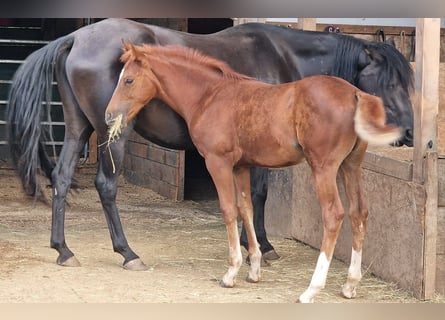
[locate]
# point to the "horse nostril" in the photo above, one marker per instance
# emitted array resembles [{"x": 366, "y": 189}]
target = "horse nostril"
[{"x": 409, "y": 133}]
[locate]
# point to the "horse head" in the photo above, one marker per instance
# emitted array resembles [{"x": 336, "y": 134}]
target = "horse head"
[
  {"x": 137, "y": 85},
  {"x": 386, "y": 73}
]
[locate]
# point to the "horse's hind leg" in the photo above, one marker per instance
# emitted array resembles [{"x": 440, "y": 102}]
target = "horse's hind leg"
[
  {"x": 62, "y": 176},
  {"x": 244, "y": 203},
  {"x": 333, "y": 213},
  {"x": 110, "y": 162},
  {"x": 351, "y": 174}
]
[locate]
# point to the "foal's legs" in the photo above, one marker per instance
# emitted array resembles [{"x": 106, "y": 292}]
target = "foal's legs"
[
  {"x": 244, "y": 203},
  {"x": 351, "y": 174},
  {"x": 222, "y": 175},
  {"x": 333, "y": 213}
]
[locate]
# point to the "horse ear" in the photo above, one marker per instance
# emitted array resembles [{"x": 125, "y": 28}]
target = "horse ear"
[
  {"x": 124, "y": 44},
  {"x": 129, "y": 46}
]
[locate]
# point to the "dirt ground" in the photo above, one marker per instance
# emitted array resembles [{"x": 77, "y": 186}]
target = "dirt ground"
[{"x": 183, "y": 244}]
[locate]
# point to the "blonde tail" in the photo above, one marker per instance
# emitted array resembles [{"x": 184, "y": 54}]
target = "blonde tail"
[{"x": 369, "y": 121}]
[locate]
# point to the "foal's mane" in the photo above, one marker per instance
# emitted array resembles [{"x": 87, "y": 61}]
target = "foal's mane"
[{"x": 182, "y": 55}]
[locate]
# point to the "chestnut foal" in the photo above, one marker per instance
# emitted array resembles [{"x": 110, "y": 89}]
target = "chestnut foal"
[{"x": 236, "y": 122}]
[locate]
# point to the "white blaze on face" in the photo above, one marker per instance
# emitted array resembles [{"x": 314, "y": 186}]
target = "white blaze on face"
[{"x": 121, "y": 74}]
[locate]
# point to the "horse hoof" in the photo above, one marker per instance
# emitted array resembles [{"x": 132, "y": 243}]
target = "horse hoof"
[
  {"x": 135, "y": 265},
  {"x": 251, "y": 280},
  {"x": 271, "y": 255},
  {"x": 70, "y": 262},
  {"x": 264, "y": 263},
  {"x": 349, "y": 294},
  {"x": 222, "y": 284},
  {"x": 300, "y": 300}
]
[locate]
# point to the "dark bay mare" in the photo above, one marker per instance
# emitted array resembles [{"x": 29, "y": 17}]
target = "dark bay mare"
[
  {"x": 86, "y": 65},
  {"x": 236, "y": 122}
]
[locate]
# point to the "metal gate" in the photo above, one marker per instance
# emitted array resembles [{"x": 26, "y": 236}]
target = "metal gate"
[{"x": 18, "y": 39}]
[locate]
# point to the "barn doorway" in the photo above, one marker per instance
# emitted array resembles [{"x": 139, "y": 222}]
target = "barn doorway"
[{"x": 198, "y": 184}]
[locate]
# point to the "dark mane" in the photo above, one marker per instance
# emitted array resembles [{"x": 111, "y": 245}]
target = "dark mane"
[
  {"x": 188, "y": 55},
  {"x": 346, "y": 57},
  {"x": 391, "y": 61}
]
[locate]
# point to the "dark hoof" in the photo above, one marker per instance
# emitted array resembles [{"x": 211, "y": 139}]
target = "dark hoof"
[
  {"x": 222, "y": 284},
  {"x": 271, "y": 255},
  {"x": 135, "y": 265},
  {"x": 70, "y": 262},
  {"x": 264, "y": 263},
  {"x": 250, "y": 280}
]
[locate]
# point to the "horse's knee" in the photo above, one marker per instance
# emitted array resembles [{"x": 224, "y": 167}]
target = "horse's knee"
[
  {"x": 106, "y": 187},
  {"x": 60, "y": 184},
  {"x": 333, "y": 221}
]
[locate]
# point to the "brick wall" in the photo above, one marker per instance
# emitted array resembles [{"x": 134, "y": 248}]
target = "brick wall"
[{"x": 160, "y": 169}]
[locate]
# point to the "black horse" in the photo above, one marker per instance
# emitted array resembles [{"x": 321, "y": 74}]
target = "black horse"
[{"x": 86, "y": 65}]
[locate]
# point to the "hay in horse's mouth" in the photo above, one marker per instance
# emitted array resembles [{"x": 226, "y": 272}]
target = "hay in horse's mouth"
[
  {"x": 115, "y": 129},
  {"x": 114, "y": 132}
]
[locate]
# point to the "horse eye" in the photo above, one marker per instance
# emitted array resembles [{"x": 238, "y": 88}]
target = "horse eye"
[{"x": 128, "y": 81}]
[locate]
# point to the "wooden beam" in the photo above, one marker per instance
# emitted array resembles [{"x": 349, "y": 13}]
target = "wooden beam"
[
  {"x": 425, "y": 156},
  {"x": 426, "y": 106},
  {"x": 237, "y": 21},
  {"x": 307, "y": 24}
]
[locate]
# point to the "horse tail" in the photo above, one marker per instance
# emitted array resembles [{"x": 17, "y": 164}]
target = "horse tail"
[
  {"x": 30, "y": 87},
  {"x": 370, "y": 121}
]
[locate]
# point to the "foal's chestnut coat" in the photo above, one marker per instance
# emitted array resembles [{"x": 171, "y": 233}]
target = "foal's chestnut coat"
[{"x": 236, "y": 122}]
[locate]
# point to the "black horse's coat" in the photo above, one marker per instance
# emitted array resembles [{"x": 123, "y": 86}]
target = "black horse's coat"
[{"x": 86, "y": 65}]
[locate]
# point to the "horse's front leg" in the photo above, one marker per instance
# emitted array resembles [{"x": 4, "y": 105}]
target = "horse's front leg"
[
  {"x": 110, "y": 164},
  {"x": 222, "y": 175},
  {"x": 333, "y": 214}
]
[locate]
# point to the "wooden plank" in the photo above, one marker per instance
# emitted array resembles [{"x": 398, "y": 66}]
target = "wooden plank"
[
  {"x": 426, "y": 105},
  {"x": 440, "y": 274},
  {"x": 425, "y": 139},
  {"x": 440, "y": 248},
  {"x": 237, "y": 21},
  {"x": 440, "y": 258},
  {"x": 441, "y": 177},
  {"x": 388, "y": 166},
  {"x": 307, "y": 24},
  {"x": 430, "y": 235}
]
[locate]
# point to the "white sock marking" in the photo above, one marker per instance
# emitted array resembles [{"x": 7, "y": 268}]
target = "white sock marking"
[{"x": 318, "y": 279}]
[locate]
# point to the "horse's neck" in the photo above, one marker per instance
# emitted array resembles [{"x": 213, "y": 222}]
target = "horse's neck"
[{"x": 182, "y": 87}]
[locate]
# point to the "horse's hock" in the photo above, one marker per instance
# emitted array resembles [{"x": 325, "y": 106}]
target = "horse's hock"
[{"x": 393, "y": 249}]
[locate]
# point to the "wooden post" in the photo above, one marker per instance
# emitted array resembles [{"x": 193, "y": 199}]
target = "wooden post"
[
  {"x": 237, "y": 21},
  {"x": 426, "y": 109},
  {"x": 307, "y": 24}
]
